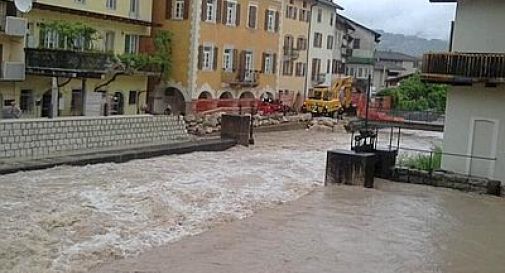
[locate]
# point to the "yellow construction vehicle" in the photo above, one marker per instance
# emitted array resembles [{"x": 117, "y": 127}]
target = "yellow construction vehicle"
[{"x": 330, "y": 101}]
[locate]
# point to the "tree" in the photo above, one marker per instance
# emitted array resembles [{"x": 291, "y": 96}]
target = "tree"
[{"x": 415, "y": 95}]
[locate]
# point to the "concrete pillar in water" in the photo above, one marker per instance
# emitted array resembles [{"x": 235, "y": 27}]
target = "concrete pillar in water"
[
  {"x": 236, "y": 127},
  {"x": 350, "y": 168}
]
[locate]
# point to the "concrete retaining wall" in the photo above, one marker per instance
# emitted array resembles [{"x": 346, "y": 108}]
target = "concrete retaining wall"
[{"x": 44, "y": 137}]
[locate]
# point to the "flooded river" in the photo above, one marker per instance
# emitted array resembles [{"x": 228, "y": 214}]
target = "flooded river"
[{"x": 71, "y": 219}]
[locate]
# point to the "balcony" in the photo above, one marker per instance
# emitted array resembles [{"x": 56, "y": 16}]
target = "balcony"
[
  {"x": 291, "y": 54},
  {"x": 318, "y": 79},
  {"x": 463, "y": 68},
  {"x": 67, "y": 63},
  {"x": 240, "y": 80},
  {"x": 13, "y": 71},
  {"x": 347, "y": 52},
  {"x": 13, "y": 26}
]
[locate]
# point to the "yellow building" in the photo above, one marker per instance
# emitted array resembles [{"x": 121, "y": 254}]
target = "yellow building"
[
  {"x": 81, "y": 66},
  {"x": 222, "y": 49},
  {"x": 295, "y": 45}
]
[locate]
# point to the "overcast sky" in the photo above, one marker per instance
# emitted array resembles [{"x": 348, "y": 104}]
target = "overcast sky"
[{"x": 416, "y": 17}]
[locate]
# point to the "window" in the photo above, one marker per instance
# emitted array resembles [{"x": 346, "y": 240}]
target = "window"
[
  {"x": 316, "y": 68},
  {"x": 304, "y": 4},
  {"x": 356, "y": 44},
  {"x": 301, "y": 43},
  {"x": 331, "y": 19},
  {"x": 51, "y": 39},
  {"x": 270, "y": 20},
  {"x": 304, "y": 15},
  {"x": 228, "y": 60},
  {"x": 291, "y": 12},
  {"x": 178, "y": 9},
  {"x": 211, "y": 11},
  {"x": 231, "y": 13},
  {"x": 132, "y": 98},
  {"x": 328, "y": 67},
  {"x": 287, "y": 68},
  {"x": 26, "y": 101},
  {"x": 76, "y": 102},
  {"x": 319, "y": 15},
  {"x": 253, "y": 11},
  {"x": 300, "y": 69},
  {"x": 111, "y": 4},
  {"x": 318, "y": 40},
  {"x": 134, "y": 8},
  {"x": 110, "y": 37},
  {"x": 131, "y": 44},
  {"x": 269, "y": 64},
  {"x": 80, "y": 1},
  {"x": 360, "y": 72},
  {"x": 329, "y": 42},
  {"x": 208, "y": 57}
]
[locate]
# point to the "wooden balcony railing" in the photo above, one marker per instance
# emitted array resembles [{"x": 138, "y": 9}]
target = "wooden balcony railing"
[{"x": 463, "y": 67}]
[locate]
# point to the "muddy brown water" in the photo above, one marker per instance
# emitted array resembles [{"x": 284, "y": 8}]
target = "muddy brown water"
[
  {"x": 394, "y": 228},
  {"x": 72, "y": 219}
]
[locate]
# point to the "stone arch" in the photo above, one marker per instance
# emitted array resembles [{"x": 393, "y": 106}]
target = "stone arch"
[
  {"x": 117, "y": 104},
  {"x": 170, "y": 98},
  {"x": 227, "y": 95},
  {"x": 247, "y": 95},
  {"x": 205, "y": 95},
  {"x": 267, "y": 95}
]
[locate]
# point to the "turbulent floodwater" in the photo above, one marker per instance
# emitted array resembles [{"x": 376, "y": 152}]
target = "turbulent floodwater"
[{"x": 69, "y": 219}]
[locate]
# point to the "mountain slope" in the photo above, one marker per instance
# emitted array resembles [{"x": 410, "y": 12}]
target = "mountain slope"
[{"x": 411, "y": 45}]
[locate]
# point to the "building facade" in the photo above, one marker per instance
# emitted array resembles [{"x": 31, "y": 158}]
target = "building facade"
[
  {"x": 363, "y": 45},
  {"x": 223, "y": 50},
  {"x": 323, "y": 45},
  {"x": 475, "y": 118},
  {"x": 295, "y": 45},
  {"x": 391, "y": 67},
  {"x": 80, "y": 70}
]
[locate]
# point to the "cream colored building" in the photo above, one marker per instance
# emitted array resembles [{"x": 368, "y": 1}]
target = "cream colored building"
[
  {"x": 475, "y": 119},
  {"x": 294, "y": 50},
  {"x": 222, "y": 50},
  {"x": 79, "y": 73}
]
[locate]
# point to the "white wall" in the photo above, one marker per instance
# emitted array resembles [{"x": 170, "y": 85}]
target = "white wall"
[
  {"x": 325, "y": 28},
  {"x": 481, "y": 108},
  {"x": 479, "y": 26},
  {"x": 367, "y": 43}
]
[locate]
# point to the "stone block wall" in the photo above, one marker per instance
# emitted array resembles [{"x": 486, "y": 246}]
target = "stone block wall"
[{"x": 38, "y": 138}]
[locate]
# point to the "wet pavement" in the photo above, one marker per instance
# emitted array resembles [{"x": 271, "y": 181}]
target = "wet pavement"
[{"x": 394, "y": 228}]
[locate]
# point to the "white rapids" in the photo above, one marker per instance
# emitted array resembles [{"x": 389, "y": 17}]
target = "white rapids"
[{"x": 70, "y": 219}]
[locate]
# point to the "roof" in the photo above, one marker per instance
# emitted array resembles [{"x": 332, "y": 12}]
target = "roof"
[
  {"x": 330, "y": 3},
  {"x": 382, "y": 66},
  {"x": 399, "y": 78},
  {"x": 392, "y": 55},
  {"x": 356, "y": 24}
]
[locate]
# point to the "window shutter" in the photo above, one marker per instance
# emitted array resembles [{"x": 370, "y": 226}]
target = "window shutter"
[
  {"x": 252, "y": 16},
  {"x": 225, "y": 12},
  {"x": 276, "y": 21},
  {"x": 168, "y": 9},
  {"x": 235, "y": 60},
  {"x": 274, "y": 70},
  {"x": 237, "y": 15},
  {"x": 295, "y": 13},
  {"x": 219, "y": 9},
  {"x": 263, "y": 61},
  {"x": 200, "y": 57},
  {"x": 204, "y": 10},
  {"x": 266, "y": 19},
  {"x": 241, "y": 67},
  {"x": 216, "y": 52},
  {"x": 186, "y": 9}
]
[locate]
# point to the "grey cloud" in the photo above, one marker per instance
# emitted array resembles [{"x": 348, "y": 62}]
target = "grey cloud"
[{"x": 413, "y": 17}]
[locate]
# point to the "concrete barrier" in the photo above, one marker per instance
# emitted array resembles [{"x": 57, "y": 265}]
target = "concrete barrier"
[
  {"x": 38, "y": 138},
  {"x": 350, "y": 168}
]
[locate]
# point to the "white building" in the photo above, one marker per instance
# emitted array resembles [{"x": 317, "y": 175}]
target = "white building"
[
  {"x": 363, "y": 46},
  {"x": 322, "y": 43},
  {"x": 475, "y": 119}
]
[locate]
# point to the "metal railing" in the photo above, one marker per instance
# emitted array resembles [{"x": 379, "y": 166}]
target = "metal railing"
[
  {"x": 67, "y": 60},
  {"x": 430, "y": 161}
]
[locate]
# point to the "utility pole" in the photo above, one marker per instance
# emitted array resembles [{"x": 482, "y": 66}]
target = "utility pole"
[
  {"x": 54, "y": 98},
  {"x": 368, "y": 91}
]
